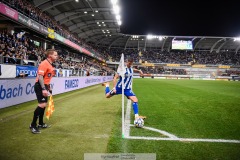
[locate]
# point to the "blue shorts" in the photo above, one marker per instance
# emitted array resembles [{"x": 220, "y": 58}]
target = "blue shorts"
[{"x": 127, "y": 92}]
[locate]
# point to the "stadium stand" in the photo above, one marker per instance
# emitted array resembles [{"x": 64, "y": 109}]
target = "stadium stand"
[
  {"x": 152, "y": 56},
  {"x": 22, "y": 50}
]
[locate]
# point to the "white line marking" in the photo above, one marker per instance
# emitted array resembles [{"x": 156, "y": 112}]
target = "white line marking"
[
  {"x": 209, "y": 140},
  {"x": 127, "y": 119},
  {"x": 152, "y": 138},
  {"x": 184, "y": 139},
  {"x": 159, "y": 131},
  {"x": 171, "y": 136}
]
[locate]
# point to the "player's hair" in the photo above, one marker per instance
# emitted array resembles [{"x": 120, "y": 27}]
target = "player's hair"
[
  {"x": 50, "y": 52},
  {"x": 130, "y": 59}
]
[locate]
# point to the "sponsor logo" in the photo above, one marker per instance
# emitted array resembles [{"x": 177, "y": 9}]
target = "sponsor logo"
[
  {"x": 31, "y": 71},
  {"x": 10, "y": 92},
  {"x": 8, "y": 11},
  {"x": 16, "y": 91},
  {"x": 73, "y": 83},
  {"x": 92, "y": 80}
]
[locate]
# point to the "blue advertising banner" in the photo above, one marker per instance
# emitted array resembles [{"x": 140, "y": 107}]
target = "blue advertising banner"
[
  {"x": 30, "y": 71},
  {"x": 15, "y": 91}
]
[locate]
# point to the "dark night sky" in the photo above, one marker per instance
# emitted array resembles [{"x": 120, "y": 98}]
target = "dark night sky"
[{"x": 180, "y": 18}]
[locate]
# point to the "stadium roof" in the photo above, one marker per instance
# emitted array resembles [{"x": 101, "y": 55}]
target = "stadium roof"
[
  {"x": 95, "y": 21},
  {"x": 87, "y": 18}
]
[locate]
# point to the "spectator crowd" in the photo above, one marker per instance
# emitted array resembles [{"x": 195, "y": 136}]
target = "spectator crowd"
[
  {"x": 29, "y": 10},
  {"x": 17, "y": 48}
]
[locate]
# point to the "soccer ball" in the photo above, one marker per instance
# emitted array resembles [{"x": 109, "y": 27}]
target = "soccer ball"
[{"x": 139, "y": 122}]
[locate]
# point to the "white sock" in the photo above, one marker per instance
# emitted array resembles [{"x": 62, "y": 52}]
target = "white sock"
[{"x": 136, "y": 115}]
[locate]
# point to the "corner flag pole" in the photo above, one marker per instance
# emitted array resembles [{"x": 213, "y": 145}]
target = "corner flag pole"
[{"x": 122, "y": 68}]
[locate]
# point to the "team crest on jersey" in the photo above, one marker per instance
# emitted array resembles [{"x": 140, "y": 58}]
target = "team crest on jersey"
[{"x": 49, "y": 74}]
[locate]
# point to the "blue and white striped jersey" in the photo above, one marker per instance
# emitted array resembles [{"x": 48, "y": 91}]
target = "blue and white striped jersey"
[{"x": 127, "y": 80}]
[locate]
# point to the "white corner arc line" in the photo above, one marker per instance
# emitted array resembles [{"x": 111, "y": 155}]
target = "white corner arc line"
[
  {"x": 160, "y": 131},
  {"x": 171, "y": 136}
]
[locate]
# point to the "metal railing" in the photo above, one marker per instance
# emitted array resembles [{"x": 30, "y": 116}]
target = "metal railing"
[{"x": 17, "y": 61}]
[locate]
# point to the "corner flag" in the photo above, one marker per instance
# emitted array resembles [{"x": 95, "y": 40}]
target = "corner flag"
[
  {"x": 121, "y": 72},
  {"x": 121, "y": 67},
  {"x": 50, "y": 108}
]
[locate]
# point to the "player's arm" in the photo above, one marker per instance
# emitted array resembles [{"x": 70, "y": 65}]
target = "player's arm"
[
  {"x": 137, "y": 70},
  {"x": 41, "y": 82},
  {"x": 41, "y": 72}
]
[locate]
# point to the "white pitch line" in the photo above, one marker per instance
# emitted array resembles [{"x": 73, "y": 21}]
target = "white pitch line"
[
  {"x": 184, "y": 139},
  {"x": 127, "y": 119},
  {"x": 171, "y": 136},
  {"x": 152, "y": 138},
  {"x": 209, "y": 140},
  {"x": 159, "y": 131}
]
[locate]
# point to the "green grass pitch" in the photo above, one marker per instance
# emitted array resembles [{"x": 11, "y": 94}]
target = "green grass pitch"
[{"x": 85, "y": 121}]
